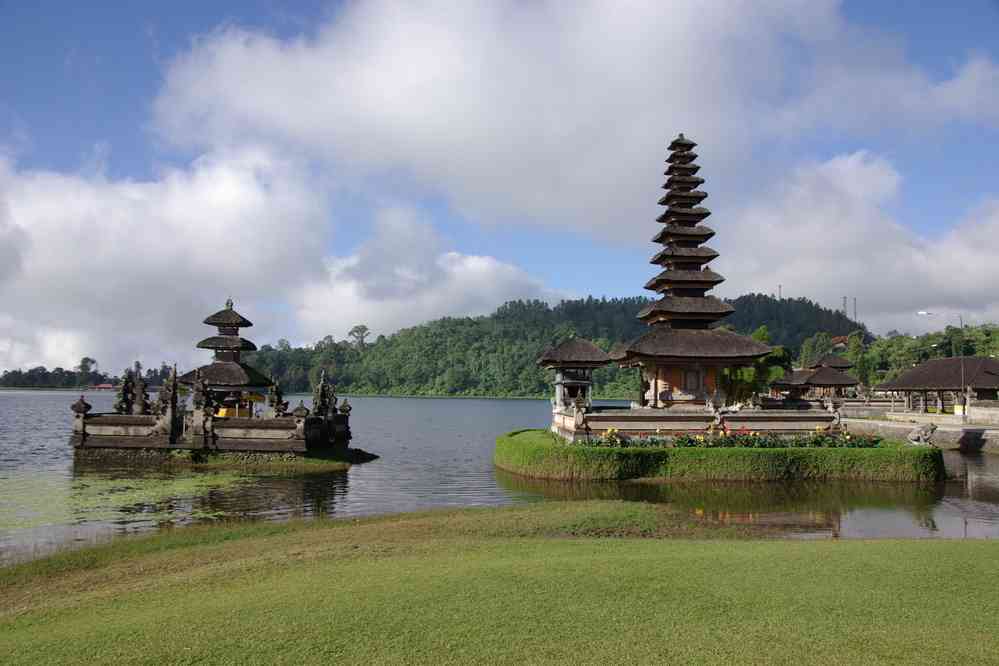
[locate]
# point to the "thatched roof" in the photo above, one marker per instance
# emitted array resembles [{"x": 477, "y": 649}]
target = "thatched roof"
[
  {"x": 227, "y": 343},
  {"x": 821, "y": 377},
  {"x": 713, "y": 308},
  {"x": 681, "y": 157},
  {"x": 701, "y": 232},
  {"x": 229, "y": 373},
  {"x": 228, "y": 318},
  {"x": 574, "y": 352},
  {"x": 944, "y": 374},
  {"x": 832, "y": 361},
  {"x": 683, "y": 343},
  {"x": 684, "y": 279},
  {"x": 681, "y": 143},
  {"x": 683, "y": 182},
  {"x": 679, "y": 213},
  {"x": 701, "y": 254},
  {"x": 682, "y": 198}
]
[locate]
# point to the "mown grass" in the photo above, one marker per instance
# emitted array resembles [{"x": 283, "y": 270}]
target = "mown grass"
[
  {"x": 533, "y": 584},
  {"x": 539, "y": 454}
]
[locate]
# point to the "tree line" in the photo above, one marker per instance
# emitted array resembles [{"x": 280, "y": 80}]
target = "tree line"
[
  {"x": 495, "y": 355},
  {"x": 83, "y": 375}
]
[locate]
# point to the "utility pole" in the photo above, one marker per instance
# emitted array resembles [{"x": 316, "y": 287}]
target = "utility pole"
[
  {"x": 780, "y": 292},
  {"x": 854, "y": 308},
  {"x": 845, "y": 311}
]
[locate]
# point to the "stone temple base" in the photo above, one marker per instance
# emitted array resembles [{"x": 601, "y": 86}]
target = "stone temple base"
[{"x": 668, "y": 422}]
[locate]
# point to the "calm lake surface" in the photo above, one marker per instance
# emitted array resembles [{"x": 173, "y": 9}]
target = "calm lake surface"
[{"x": 434, "y": 453}]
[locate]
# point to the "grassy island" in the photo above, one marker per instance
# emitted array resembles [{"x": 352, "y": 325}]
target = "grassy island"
[
  {"x": 554, "y": 582},
  {"x": 540, "y": 454}
]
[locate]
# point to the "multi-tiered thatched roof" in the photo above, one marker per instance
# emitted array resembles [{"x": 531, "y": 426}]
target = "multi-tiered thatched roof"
[{"x": 680, "y": 320}]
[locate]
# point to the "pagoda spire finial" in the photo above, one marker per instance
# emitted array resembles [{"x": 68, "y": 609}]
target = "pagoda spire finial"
[{"x": 228, "y": 303}]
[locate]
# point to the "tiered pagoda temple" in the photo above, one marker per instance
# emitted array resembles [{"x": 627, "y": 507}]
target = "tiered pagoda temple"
[{"x": 681, "y": 357}]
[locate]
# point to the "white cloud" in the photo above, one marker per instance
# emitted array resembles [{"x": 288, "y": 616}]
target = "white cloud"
[
  {"x": 529, "y": 112},
  {"x": 824, "y": 233},
  {"x": 404, "y": 276},
  {"x": 122, "y": 269}
]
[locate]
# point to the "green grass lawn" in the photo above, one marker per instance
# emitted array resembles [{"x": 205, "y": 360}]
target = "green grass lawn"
[{"x": 556, "y": 582}]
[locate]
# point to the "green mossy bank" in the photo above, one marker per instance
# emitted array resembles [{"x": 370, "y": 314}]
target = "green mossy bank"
[
  {"x": 552, "y": 582},
  {"x": 539, "y": 454}
]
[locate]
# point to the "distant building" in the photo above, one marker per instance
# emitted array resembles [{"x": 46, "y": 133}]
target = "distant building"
[{"x": 941, "y": 382}]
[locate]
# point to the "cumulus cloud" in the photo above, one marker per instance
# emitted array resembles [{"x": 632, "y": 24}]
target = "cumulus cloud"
[
  {"x": 123, "y": 269},
  {"x": 403, "y": 275},
  {"x": 525, "y": 111},
  {"x": 824, "y": 233}
]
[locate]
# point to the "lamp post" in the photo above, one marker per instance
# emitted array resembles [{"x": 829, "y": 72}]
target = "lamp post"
[{"x": 964, "y": 387}]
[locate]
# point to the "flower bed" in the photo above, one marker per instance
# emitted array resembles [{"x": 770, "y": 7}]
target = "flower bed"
[{"x": 742, "y": 439}]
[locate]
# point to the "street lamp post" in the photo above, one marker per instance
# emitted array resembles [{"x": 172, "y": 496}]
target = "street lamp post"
[{"x": 964, "y": 387}]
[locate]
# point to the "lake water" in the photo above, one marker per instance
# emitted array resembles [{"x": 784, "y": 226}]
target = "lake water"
[{"x": 434, "y": 453}]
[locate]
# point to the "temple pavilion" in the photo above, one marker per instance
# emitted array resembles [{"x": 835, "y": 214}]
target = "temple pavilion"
[
  {"x": 234, "y": 385},
  {"x": 573, "y": 361},
  {"x": 681, "y": 357}
]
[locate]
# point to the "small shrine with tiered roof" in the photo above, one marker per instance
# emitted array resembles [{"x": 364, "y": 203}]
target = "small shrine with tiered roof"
[{"x": 221, "y": 415}]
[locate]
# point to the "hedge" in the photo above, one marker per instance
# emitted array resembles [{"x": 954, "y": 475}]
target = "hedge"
[{"x": 540, "y": 454}]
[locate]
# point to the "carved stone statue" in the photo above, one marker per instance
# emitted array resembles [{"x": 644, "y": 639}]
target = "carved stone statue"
[
  {"x": 81, "y": 407},
  {"x": 123, "y": 402},
  {"x": 301, "y": 411},
  {"x": 140, "y": 397},
  {"x": 345, "y": 407},
  {"x": 166, "y": 402},
  {"x": 922, "y": 435},
  {"x": 275, "y": 398}
]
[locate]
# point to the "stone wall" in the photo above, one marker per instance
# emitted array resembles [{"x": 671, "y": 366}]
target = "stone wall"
[
  {"x": 966, "y": 438},
  {"x": 984, "y": 413}
]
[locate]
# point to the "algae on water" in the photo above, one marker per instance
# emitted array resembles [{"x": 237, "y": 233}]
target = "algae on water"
[{"x": 48, "y": 500}]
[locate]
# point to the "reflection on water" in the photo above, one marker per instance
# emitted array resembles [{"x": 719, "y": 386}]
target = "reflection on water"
[
  {"x": 435, "y": 453},
  {"x": 962, "y": 508}
]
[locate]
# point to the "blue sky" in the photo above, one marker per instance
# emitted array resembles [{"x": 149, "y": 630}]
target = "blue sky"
[{"x": 879, "y": 120}]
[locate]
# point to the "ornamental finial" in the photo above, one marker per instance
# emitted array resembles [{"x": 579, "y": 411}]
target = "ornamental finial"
[{"x": 228, "y": 303}]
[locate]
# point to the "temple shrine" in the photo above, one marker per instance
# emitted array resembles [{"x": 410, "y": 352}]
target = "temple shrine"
[
  {"x": 684, "y": 360},
  {"x": 681, "y": 357},
  {"x": 233, "y": 384},
  {"x": 221, "y": 416}
]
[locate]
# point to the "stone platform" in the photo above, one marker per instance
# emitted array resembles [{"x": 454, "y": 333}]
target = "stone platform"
[{"x": 666, "y": 422}]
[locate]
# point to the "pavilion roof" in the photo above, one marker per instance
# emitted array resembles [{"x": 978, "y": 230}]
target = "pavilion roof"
[
  {"x": 574, "y": 351},
  {"x": 820, "y": 377},
  {"x": 832, "y": 361},
  {"x": 944, "y": 374},
  {"x": 229, "y": 373}
]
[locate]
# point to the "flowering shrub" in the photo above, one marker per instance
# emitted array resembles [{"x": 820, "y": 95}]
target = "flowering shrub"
[{"x": 743, "y": 439}]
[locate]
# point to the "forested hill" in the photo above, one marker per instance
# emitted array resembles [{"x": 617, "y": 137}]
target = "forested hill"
[{"x": 495, "y": 355}]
